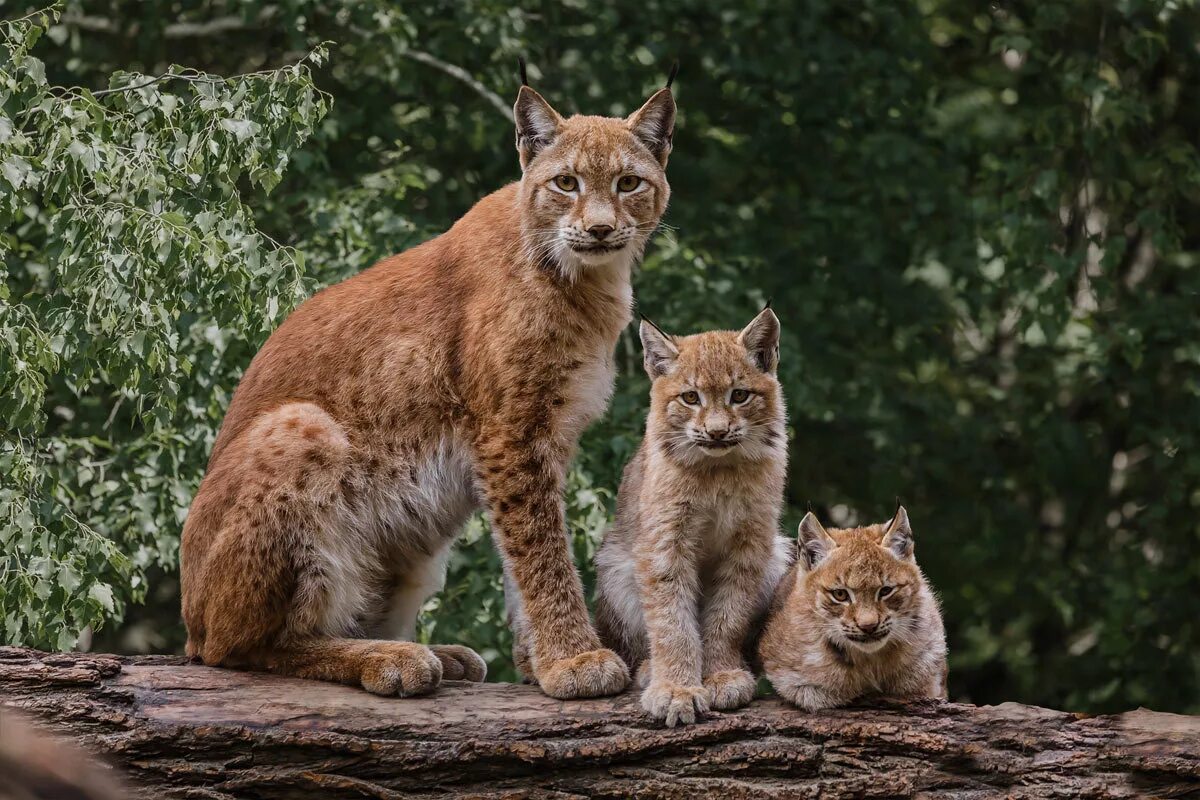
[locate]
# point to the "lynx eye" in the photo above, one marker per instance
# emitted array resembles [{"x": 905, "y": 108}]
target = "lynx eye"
[
  {"x": 567, "y": 183},
  {"x": 739, "y": 396},
  {"x": 691, "y": 398},
  {"x": 627, "y": 183},
  {"x": 884, "y": 591},
  {"x": 840, "y": 595}
]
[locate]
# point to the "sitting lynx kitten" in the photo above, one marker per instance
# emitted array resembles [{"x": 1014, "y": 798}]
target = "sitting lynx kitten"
[
  {"x": 853, "y": 617},
  {"x": 691, "y": 560}
]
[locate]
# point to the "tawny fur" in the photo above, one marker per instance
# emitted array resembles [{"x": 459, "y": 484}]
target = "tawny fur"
[
  {"x": 387, "y": 408},
  {"x": 854, "y": 617},
  {"x": 692, "y": 557}
]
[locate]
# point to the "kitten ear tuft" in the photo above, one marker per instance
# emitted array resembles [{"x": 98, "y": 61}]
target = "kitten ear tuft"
[
  {"x": 658, "y": 349},
  {"x": 671, "y": 75},
  {"x": 654, "y": 124},
  {"x": 537, "y": 124},
  {"x": 813, "y": 543},
  {"x": 898, "y": 537},
  {"x": 761, "y": 340},
  {"x": 521, "y": 70}
]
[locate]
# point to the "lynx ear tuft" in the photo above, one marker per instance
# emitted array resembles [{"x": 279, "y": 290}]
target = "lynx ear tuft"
[
  {"x": 521, "y": 69},
  {"x": 899, "y": 536},
  {"x": 658, "y": 348},
  {"x": 813, "y": 543},
  {"x": 761, "y": 339},
  {"x": 674, "y": 71},
  {"x": 654, "y": 124},
  {"x": 537, "y": 124}
]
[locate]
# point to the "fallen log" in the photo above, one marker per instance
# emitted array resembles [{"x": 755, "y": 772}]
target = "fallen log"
[{"x": 178, "y": 730}]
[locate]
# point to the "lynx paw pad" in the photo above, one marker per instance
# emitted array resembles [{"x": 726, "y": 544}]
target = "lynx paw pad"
[
  {"x": 403, "y": 668},
  {"x": 595, "y": 673},
  {"x": 674, "y": 703},
  {"x": 731, "y": 688}
]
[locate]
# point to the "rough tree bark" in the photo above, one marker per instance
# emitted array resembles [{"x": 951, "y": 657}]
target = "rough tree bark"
[{"x": 179, "y": 730}]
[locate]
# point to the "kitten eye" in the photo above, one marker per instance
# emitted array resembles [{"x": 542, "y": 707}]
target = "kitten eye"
[
  {"x": 884, "y": 591},
  {"x": 739, "y": 396},
  {"x": 627, "y": 183},
  {"x": 691, "y": 398},
  {"x": 841, "y": 595},
  {"x": 568, "y": 183}
]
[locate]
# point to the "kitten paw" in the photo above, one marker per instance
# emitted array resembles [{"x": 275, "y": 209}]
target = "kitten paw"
[
  {"x": 460, "y": 663},
  {"x": 807, "y": 696},
  {"x": 730, "y": 688},
  {"x": 404, "y": 669},
  {"x": 673, "y": 703},
  {"x": 595, "y": 673}
]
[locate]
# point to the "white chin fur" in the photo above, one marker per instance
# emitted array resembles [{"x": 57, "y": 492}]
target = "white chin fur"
[
  {"x": 600, "y": 259},
  {"x": 867, "y": 647}
]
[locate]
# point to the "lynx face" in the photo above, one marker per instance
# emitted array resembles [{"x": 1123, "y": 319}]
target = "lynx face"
[
  {"x": 715, "y": 395},
  {"x": 863, "y": 583},
  {"x": 594, "y": 188}
]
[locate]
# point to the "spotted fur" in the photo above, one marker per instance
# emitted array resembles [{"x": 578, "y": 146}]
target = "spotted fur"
[{"x": 387, "y": 408}]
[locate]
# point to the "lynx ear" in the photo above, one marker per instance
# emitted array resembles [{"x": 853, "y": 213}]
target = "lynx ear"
[
  {"x": 813, "y": 544},
  {"x": 537, "y": 124},
  {"x": 899, "y": 535},
  {"x": 654, "y": 124},
  {"x": 659, "y": 350},
  {"x": 761, "y": 340}
]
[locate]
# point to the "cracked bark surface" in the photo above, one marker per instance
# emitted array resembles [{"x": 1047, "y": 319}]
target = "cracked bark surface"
[{"x": 186, "y": 731}]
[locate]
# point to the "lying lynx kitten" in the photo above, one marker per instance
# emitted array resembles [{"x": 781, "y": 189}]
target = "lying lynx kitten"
[
  {"x": 694, "y": 553},
  {"x": 854, "y": 617}
]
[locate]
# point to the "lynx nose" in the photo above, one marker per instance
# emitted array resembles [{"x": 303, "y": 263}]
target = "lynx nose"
[
  {"x": 600, "y": 231},
  {"x": 868, "y": 627},
  {"x": 717, "y": 433}
]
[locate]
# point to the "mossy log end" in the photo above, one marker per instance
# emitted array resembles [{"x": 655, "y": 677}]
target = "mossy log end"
[{"x": 180, "y": 730}]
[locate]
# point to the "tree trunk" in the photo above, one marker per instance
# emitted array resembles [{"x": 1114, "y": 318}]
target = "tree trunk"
[{"x": 180, "y": 730}]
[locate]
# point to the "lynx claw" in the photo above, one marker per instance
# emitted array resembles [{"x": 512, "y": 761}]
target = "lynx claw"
[
  {"x": 595, "y": 673},
  {"x": 731, "y": 688},
  {"x": 673, "y": 703}
]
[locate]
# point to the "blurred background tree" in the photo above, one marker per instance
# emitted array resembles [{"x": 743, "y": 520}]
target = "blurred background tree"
[{"x": 979, "y": 224}]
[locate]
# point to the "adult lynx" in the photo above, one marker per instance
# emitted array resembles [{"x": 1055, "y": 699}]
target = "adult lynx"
[{"x": 388, "y": 407}]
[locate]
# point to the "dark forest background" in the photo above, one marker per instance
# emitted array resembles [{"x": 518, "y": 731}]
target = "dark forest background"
[{"x": 979, "y": 224}]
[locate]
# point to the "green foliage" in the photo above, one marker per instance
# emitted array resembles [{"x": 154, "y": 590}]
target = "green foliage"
[
  {"x": 980, "y": 226},
  {"x": 131, "y": 263}
]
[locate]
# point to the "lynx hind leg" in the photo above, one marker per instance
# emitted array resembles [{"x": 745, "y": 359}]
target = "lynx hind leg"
[
  {"x": 404, "y": 669},
  {"x": 274, "y": 486},
  {"x": 275, "y": 598}
]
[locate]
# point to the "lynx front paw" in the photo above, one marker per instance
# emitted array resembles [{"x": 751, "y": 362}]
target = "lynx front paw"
[
  {"x": 730, "y": 688},
  {"x": 673, "y": 703},
  {"x": 805, "y": 695},
  {"x": 595, "y": 673},
  {"x": 401, "y": 668},
  {"x": 460, "y": 663}
]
